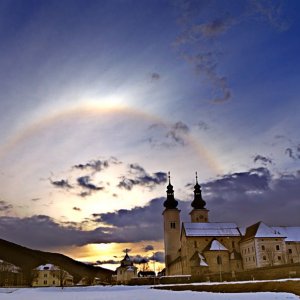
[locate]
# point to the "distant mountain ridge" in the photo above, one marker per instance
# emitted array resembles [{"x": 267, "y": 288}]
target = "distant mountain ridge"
[{"x": 28, "y": 259}]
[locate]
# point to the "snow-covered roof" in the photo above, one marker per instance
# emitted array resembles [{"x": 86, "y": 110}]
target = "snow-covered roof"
[
  {"x": 47, "y": 267},
  {"x": 217, "y": 246},
  {"x": 292, "y": 234},
  {"x": 211, "y": 229},
  {"x": 261, "y": 230}
]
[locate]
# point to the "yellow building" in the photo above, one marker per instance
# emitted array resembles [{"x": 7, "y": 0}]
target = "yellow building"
[
  {"x": 51, "y": 275},
  {"x": 201, "y": 247}
]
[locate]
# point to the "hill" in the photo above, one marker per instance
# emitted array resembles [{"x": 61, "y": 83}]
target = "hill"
[{"x": 28, "y": 259}]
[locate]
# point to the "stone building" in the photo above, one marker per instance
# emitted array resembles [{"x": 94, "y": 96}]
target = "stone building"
[
  {"x": 126, "y": 270},
  {"x": 201, "y": 247}
]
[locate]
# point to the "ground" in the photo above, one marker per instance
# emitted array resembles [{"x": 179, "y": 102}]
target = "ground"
[{"x": 130, "y": 292}]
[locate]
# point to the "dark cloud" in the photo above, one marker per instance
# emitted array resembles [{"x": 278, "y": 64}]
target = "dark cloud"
[
  {"x": 35, "y": 199},
  {"x": 63, "y": 184},
  {"x": 95, "y": 165},
  {"x": 139, "y": 177},
  {"x": 84, "y": 182},
  {"x": 293, "y": 152},
  {"x": 4, "y": 206},
  {"x": 241, "y": 197},
  {"x": 148, "y": 248},
  {"x": 158, "y": 257},
  {"x": 110, "y": 261},
  {"x": 155, "y": 76},
  {"x": 76, "y": 208},
  {"x": 262, "y": 159}
]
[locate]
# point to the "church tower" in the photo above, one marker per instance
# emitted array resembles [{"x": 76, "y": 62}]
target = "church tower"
[
  {"x": 199, "y": 213},
  {"x": 171, "y": 216}
]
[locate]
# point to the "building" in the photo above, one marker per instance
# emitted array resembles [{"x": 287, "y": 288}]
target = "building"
[
  {"x": 126, "y": 270},
  {"x": 10, "y": 275},
  {"x": 51, "y": 275},
  {"x": 201, "y": 247}
]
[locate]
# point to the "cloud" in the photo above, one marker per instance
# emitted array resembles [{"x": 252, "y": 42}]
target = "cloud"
[
  {"x": 148, "y": 248},
  {"x": 139, "y": 177},
  {"x": 84, "y": 182},
  {"x": 241, "y": 197},
  {"x": 4, "y": 206},
  {"x": 63, "y": 183},
  {"x": 263, "y": 159},
  {"x": 96, "y": 165},
  {"x": 76, "y": 208},
  {"x": 169, "y": 136},
  {"x": 293, "y": 152},
  {"x": 155, "y": 76},
  {"x": 271, "y": 11},
  {"x": 202, "y": 125},
  {"x": 203, "y": 24}
]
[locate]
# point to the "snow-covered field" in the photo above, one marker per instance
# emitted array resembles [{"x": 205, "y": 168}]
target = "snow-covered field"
[{"x": 129, "y": 293}]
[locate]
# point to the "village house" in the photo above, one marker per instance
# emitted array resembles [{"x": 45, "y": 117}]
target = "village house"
[
  {"x": 202, "y": 247},
  {"x": 51, "y": 275}
]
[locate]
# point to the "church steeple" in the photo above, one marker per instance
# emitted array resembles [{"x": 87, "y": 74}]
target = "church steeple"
[
  {"x": 198, "y": 202},
  {"x": 170, "y": 203}
]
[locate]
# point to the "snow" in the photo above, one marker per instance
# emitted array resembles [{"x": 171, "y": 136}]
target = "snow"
[
  {"x": 264, "y": 231},
  {"x": 217, "y": 246},
  {"x": 292, "y": 234},
  {"x": 130, "y": 293},
  {"x": 47, "y": 267},
  {"x": 211, "y": 229}
]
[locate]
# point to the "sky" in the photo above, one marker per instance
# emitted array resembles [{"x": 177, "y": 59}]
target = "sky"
[{"x": 99, "y": 100}]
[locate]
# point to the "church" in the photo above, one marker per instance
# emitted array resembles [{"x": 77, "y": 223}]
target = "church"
[{"x": 201, "y": 247}]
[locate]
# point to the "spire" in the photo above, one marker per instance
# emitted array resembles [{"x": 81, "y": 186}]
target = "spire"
[
  {"x": 170, "y": 202},
  {"x": 198, "y": 202}
]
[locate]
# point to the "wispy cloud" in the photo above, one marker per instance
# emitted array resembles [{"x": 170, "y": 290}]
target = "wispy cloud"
[
  {"x": 167, "y": 136},
  {"x": 262, "y": 159},
  {"x": 63, "y": 184},
  {"x": 5, "y": 207},
  {"x": 203, "y": 24}
]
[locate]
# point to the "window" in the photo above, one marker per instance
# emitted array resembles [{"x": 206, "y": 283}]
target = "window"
[
  {"x": 233, "y": 245},
  {"x": 264, "y": 257},
  {"x": 279, "y": 257},
  {"x": 252, "y": 249},
  {"x": 195, "y": 244},
  {"x": 277, "y": 247},
  {"x": 53, "y": 282},
  {"x": 248, "y": 250},
  {"x": 253, "y": 258},
  {"x": 173, "y": 225},
  {"x": 290, "y": 251},
  {"x": 45, "y": 281},
  {"x": 45, "y": 275},
  {"x": 219, "y": 260},
  {"x": 263, "y": 247}
]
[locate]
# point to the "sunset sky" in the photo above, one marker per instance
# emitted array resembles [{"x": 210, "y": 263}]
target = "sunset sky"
[{"x": 100, "y": 99}]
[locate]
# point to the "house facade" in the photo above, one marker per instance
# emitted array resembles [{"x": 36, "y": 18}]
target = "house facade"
[
  {"x": 51, "y": 275},
  {"x": 202, "y": 247}
]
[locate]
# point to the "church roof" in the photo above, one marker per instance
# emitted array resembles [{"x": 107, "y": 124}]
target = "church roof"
[
  {"x": 292, "y": 234},
  {"x": 211, "y": 229}
]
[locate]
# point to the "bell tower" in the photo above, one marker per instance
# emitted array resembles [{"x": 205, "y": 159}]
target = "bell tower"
[
  {"x": 199, "y": 213},
  {"x": 171, "y": 216}
]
